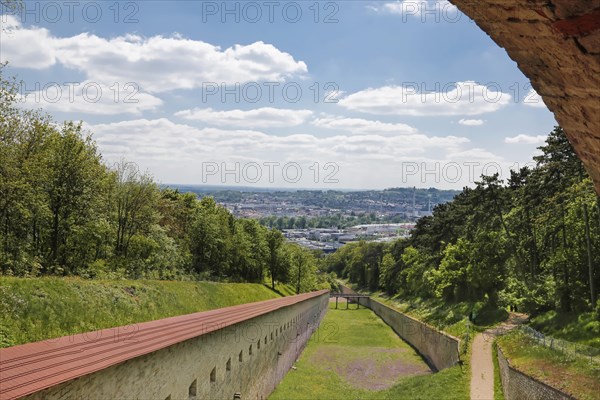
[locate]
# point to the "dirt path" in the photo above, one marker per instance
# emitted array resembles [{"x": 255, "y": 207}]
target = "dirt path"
[{"x": 482, "y": 365}]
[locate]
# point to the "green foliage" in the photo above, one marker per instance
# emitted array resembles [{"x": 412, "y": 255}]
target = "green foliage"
[
  {"x": 498, "y": 393},
  {"x": 414, "y": 275},
  {"x": 583, "y": 328},
  {"x": 64, "y": 212},
  {"x": 532, "y": 244}
]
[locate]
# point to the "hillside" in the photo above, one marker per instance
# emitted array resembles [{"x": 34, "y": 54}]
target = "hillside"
[{"x": 42, "y": 308}]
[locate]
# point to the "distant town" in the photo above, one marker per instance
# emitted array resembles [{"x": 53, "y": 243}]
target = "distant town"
[
  {"x": 329, "y": 240},
  {"x": 326, "y": 220}
]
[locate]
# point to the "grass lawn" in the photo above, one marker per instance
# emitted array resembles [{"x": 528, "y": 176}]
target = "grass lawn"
[
  {"x": 42, "y": 308},
  {"x": 576, "y": 376},
  {"x": 498, "y": 393},
  {"x": 281, "y": 288},
  {"x": 355, "y": 355}
]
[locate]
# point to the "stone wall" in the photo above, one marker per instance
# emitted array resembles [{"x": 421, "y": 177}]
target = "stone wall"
[
  {"x": 439, "y": 349},
  {"x": 556, "y": 43},
  {"x": 249, "y": 358},
  {"x": 519, "y": 386}
]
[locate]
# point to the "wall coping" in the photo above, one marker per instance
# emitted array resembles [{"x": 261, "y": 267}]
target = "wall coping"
[{"x": 31, "y": 367}]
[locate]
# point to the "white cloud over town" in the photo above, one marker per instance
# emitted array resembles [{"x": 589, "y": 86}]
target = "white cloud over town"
[{"x": 169, "y": 147}]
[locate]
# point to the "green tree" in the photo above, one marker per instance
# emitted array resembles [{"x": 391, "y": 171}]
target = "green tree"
[{"x": 275, "y": 240}]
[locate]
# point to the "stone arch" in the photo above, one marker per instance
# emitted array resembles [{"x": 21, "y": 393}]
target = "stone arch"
[{"x": 556, "y": 44}]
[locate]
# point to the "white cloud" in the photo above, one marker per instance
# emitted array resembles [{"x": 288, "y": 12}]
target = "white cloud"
[
  {"x": 362, "y": 126},
  {"x": 91, "y": 98},
  {"x": 25, "y": 47},
  {"x": 155, "y": 63},
  {"x": 533, "y": 99},
  {"x": 266, "y": 117},
  {"x": 474, "y": 155},
  {"x": 164, "y": 136},
  {"x": 471, "y": 122},
  {"x": 525, "y": 139},
  {"x": 461, "y": 98},
  {"x": 176, "y": 153}
]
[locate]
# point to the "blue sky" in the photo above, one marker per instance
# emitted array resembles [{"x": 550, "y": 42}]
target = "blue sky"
[{"x": 347, "y": 94}]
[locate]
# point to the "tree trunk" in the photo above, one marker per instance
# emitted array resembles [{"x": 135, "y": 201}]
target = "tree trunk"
[
  {"x": 534, "y": 250},
  {"x": 589, "y": 255},
  {"x": 566, "y": 293},
  {"x": 299, "y": 274},
  {"x": 598, "y": 207},
  {"x": 55, "y": 223}
]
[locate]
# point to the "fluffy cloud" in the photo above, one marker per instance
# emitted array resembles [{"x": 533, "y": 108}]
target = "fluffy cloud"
[
  {"x": 91, "y": 98},
  {"x": 162, "y": 136},
  {"x": 461, "y": 98},
  {"x": 362, "y": 126},
  {"x": 474, "y": 155},
  {"x": 266, "y": 117},
  {"x": 179, "y": 152},
  {"x": 471, "y": 122},
  {"x": 532, "y": 99},
  {"x": 525, "y": 139},
  {"x": 155, "y": 63},
  {"x": 25, "y": 47}
]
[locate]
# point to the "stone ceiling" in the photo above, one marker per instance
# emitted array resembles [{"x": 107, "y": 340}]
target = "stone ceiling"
[{"x": 557, "y": 46}]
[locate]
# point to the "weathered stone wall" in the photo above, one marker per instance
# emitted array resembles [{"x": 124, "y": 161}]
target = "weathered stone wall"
[
  {"x": 556, "y": 43},
  {"x": 249, "y": 358},
  {"x": 438, "y": 348},
  {"x": 518, "y": 386}
]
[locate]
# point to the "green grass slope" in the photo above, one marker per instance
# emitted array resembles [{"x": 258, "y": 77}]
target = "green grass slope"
[
  {"x": 43, "y": 308},
  {"x": 578, "y": 328},
  {"x": 572, "y": 374}
]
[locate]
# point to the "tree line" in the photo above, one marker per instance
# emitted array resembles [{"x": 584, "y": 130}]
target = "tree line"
[
  {"x": 532, "y": 242},
  {"x": 65, "y": 212}
]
